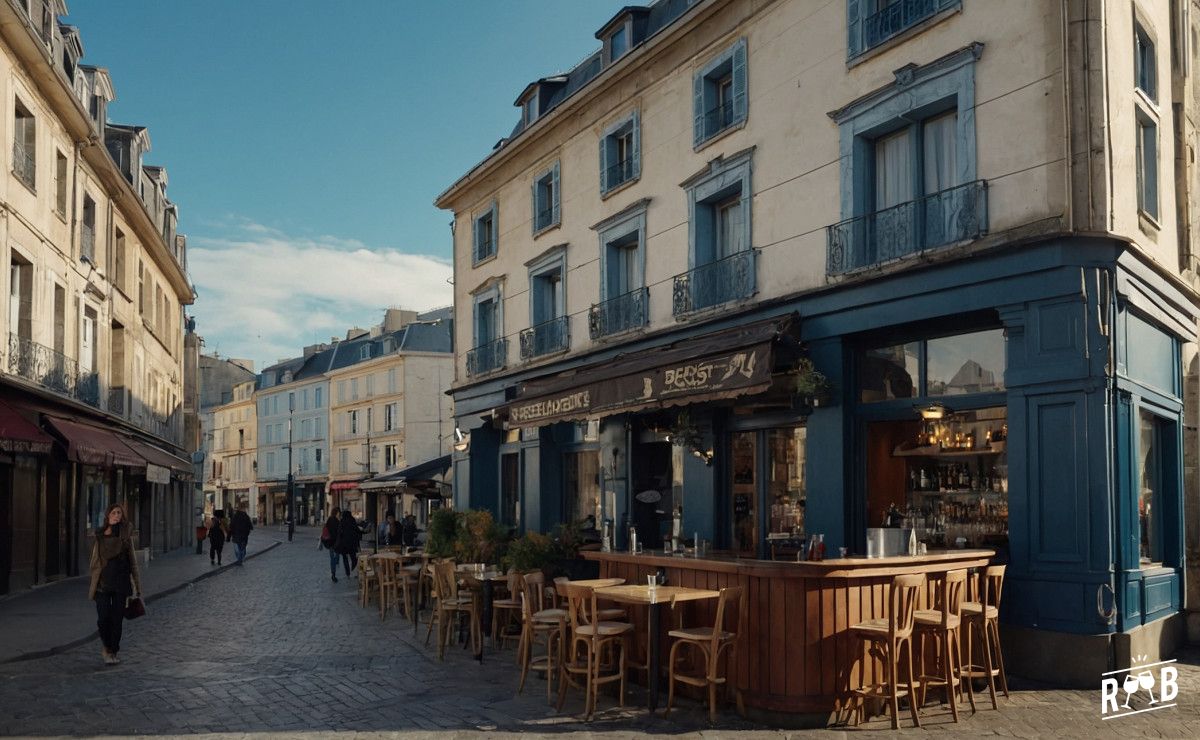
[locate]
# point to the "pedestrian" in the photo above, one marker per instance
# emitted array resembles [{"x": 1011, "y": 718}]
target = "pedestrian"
[
  {"x": 218, "y": 532},
  {"x": 348, "y": 538},
  {"x": 389, "y": 531},
  {"x": 408, "y": 531},
  {"x": 239, "y": 532},
  {"x": 328, "y": 539},
  {"x": 115, "y": 578}
]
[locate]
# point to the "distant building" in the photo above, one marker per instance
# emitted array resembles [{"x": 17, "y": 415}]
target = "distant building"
[{"x": 220, "y": 377}]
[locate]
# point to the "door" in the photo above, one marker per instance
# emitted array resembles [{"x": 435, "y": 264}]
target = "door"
[
  {"x": 743, "y": 488},
  {"x": 510, "y": 489},
  {"x": 87, "y": 343}
]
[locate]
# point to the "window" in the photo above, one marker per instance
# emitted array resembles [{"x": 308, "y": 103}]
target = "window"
[
  {"x": 1151, "y": 440},
  {"x": 546, "y": 199},
  {"x": 529, "y": 109},
  {"x": 485, "y": 234},
  {"x": 623, "y": 296},
  {"x": 485, "y": 322},
  {"x": 582, "y": 489},
  {"x": 908, "y": 167},
  {"x": 950, "y": 366},
  {"x": 141, "y": 289},
  {"x": 719, "y": 234},
  {"x": 119, "y": 268},
  {"x": 270, "y": 462},
  {"x": 344, "y": 460},
  {"x": 60, "y": 184},
  {"x": 370, "y": 385},
  {"x": 353, "y": 417},
  {"x": 719, "y": 94},
  {"x": 620, "y": 154},
  {"x": 317, "y": 400},
  {"x": 24, "y": 145},
  {"x": 305, "y": 428},
  {"x": 618, "y": 43},
  {"x": 872, "y": 22},
  {"x": 241, "y": 439},
  {"x": 364, "y": 352},
  {"x": 353, "y": 389},
  {"x": 389, "y": 417},
  {"x": 391, "y": 380},
  {"x": 547, "y": 307},
  {"x": 491, "y": 348},
  {"x": 1147, "y": 164},
  {"x": 341, "y": 391},
  {"x": 304, "y": 399},
  {"x": 320, "y": 468},
  {"x": 391, "y": 456},
  {"x": 1145, "y": 70}
]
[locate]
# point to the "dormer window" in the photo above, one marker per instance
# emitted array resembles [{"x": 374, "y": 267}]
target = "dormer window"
[
  {"x": 364, "y": 353},
  {"x": 618, "y": 43},
  {"x": 529, "y": 110}
]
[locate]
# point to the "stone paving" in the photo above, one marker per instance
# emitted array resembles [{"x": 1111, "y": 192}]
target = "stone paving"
[{"x": 274, "y": 649}]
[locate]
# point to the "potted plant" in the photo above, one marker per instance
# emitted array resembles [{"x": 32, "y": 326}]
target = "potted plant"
[
  {"x": 532, "y": 551},
  {"x": 443, "y": 531},
  {"x": 477, "y": 538},
  {"x": 566, "y": 539},
  {"x": 809, "y": 385}
]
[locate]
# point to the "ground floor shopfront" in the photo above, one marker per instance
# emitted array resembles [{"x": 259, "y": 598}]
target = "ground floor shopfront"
[
  {"x": 1029, "y": 402},
  {"x": 60, "y": 469},
  {"x": 272, "y": 501}
]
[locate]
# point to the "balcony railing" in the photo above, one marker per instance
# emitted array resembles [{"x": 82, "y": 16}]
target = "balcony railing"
[
  {"x": 619, "y": 314},
  {"x": 898, "y": 17},
  {"x": 546, "y": 338},
  {"x": 487, "y": 357},
  {"x": 24, "y": 164},
  {"x": 52, "y": 370},
  {"x": 721, "y": 281},
  {"x": 945, "y": 217},
  {"x": 545, "y": 218},
  {"x": 618, "y": 173}
]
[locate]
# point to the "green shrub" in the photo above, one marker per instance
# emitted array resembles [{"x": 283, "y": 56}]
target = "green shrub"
[
  {"x": 530, "y": 552},
  {"x": 443, "y": 532}
]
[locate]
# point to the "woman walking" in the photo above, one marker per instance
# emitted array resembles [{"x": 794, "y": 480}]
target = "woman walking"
[
  {"x": 329, "y": 540},
  {"x": 217, "y": 534},
  {"x": 348, "y": 537},
  {"x": 115, "y": 578}
]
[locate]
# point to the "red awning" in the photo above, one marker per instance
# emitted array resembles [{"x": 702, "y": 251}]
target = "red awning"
[
  {"x": 17, "y": 434},
  {"x": 94, "y": 446},
  {"x": 344, "y": 485}
]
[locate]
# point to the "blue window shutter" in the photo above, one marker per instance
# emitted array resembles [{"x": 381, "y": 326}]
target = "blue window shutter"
[
  {"x": 603, "y": 163},
  {"x": 698, "y": 110},
  {"x": 557, "y": 187},
  {"x": 636, "y": 154},
  {"x": 740, "y": 98},
  {"x": 534, "y": 200},
  {"x": 475, "y": 239},
  {"x": 854, "y": 9},
  {"x": 495, "y": 227}
]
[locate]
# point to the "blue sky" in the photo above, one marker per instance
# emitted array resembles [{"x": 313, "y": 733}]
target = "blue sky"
[{"x": 305, "y": 141}]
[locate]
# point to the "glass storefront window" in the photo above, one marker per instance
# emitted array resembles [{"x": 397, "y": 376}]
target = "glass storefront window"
[
  {"x": 1149, "y": 452},
  {"x": 786, "y": 489},
  {"x": 745, "y": 493},
  {"x": 582, "y": 477},
  {"x": 889, "y": 372},
  {"x": 966, "y": 363}
]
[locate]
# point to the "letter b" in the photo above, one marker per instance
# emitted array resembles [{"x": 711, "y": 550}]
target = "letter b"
[{"x": 1168, "y": 681}]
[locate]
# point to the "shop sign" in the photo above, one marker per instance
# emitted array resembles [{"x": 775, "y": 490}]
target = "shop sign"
[
  {"x": 548, "y": 408},
  {"x": 713, "y": 374},
  {"x": 1139, "y": 682},
  {"x": 157, "y": 474}
]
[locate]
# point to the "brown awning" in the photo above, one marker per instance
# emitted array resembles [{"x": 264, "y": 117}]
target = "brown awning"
[
  {"x": 17, "y": 434},
  {"x": 724, "y": 364},
  {"x": 94, "y": 446},
  {"x": 157, "y": 456}
]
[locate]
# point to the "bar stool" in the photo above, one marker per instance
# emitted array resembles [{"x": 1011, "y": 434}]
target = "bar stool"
[
  {"x": 891, "y": 635},
  {"x": 366, "y": 581},
  {"x": 942, "y": 625},
  {"x": 594, "y": 636},
  {"x": 984, "y": 616},
  {"x": 711, "y": 642},
  {"x": 388, "y": 577},
  {"x": 538, "y": 622}
]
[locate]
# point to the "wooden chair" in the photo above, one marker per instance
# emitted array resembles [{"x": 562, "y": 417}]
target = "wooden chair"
[
  {"x": 503, "y": 610},
  {"x": 711, "y": 642},
  {"x": 450, "y": 605},
  {"x": 983, "y": 615},
  {"x": 891, "y": 635},
  {"x": 539, "y": 626},
  {"x": 366, "y": 581},
  {"x": 942, "y": 625},
  {"x": 594, "y": 637},
  {"x": 388, "y": 577}
]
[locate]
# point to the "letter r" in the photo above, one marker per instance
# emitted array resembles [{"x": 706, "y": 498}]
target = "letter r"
[{"x": 1108, "y": 694}]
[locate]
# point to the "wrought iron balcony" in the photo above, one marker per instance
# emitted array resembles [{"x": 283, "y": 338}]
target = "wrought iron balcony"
[
  {"x": 619, "y": 173},
  {"x": 52, "y": 370},
  {"x": 953, "y": 215},
  {"x": 898, "y": 17},
  {"x": 729, "y": 279},
  {"x": 24, "y": 164},
  {"x": 546, "y": 338},
  {"x": 619, "y": 314},
  {"x": 487, "y": 357}
]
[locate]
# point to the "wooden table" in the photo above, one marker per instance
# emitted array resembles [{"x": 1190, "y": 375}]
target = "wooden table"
[{"x": 655, "y": 598}]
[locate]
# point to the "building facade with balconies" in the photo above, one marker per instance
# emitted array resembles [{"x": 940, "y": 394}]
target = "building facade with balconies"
[
  {"x": 728, "y": 256},
  {"x": 93, "y": 355},
  {"x": 230, "y": 467}
]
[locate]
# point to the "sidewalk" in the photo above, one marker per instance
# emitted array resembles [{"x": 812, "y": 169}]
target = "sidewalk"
[{"x": 58, "y": 616}]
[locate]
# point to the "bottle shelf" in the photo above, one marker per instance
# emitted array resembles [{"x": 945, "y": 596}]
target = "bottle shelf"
[
  {"x": 957, "y": 492},
  {"x": 938, "y": 452}
]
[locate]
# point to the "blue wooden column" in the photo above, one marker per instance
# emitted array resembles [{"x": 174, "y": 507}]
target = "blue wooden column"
[{"x": 830, "y": 488}]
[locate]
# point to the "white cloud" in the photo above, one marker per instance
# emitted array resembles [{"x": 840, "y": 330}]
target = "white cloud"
[{"x": 263, "y": 295}]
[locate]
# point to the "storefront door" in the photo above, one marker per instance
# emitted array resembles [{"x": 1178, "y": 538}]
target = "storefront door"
[
  {"x": 744, "y": 490},
  {"x": 510, "y": 489},
  {"x": 767, "y": 469}
]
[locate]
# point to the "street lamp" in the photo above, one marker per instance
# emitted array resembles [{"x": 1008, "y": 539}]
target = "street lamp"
[{"x": 291, "y": 479}]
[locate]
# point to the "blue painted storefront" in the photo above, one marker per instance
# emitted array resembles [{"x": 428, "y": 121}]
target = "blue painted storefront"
[{"x": 1093, "y": 344}]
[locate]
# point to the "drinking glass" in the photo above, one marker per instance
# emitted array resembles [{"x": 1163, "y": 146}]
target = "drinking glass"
[
  {"x": 1130, "y": 687},
  {"x": 651, "y": 581}
]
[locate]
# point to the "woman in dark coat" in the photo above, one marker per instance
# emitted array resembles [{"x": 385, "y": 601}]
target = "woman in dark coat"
[
  {"x": 329, "y": 541},
  {"x": 347, "y": 541},
  {"x": 114, "y": 579},
  {"x": 217, "y": 534}
]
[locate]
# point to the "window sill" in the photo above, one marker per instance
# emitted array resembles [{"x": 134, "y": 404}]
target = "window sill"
[
  {"x": 28, "y": 186},
  {"x": 619, "y": 187},
  {"x": 900, "y": 38},
  {"x": 1146, "y": 100},
  {"x": 490, "y": 258},
  {"x": 721, "y": 134},
  {"x": 62, "y": 215},
  {"x": 548, "y": 228},
  {"x": 1148, "y": 224}
]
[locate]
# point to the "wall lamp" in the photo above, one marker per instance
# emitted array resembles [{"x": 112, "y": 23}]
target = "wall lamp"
[
  {"x": 932, "y": 412},
  {"x": 462, "y": 440}
]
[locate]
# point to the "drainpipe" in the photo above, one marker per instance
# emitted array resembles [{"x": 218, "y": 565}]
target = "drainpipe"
[{"x": 1067, "y": 122}]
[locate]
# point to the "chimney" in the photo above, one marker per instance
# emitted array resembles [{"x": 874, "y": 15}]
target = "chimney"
[{"x": 395, "y": 319}]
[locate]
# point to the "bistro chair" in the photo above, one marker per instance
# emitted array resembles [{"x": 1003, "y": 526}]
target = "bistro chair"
[
  {"x": 539, "y": 627},
  {"x": 366, "y": 581},
  {"x": 594, "y": 637},
  {"x": 890, "y": 635},
  {"x": 711, "y": 642},
  {"x": 451, "y": 605},
  {"x": 983, "y": 615},
  {"x": 942, "y": 624},
  {"x": 503, "y": 610},
  {"x": 388, "y": 578}
]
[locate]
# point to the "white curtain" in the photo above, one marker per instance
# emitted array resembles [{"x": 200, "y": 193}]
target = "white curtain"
[
  {"x": 731, "y": 228},
  {"x": 893, "y": 171},
  {"x": 941, "y": 161}
]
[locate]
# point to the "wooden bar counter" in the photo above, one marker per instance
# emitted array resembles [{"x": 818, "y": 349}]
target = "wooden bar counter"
[{"x": 797, "y": 655}]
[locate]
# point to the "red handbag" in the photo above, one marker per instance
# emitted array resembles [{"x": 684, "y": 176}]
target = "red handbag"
[{"x": 134, "y": 607}]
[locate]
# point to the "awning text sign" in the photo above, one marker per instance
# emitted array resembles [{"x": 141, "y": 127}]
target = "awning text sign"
[{"x": 549, "y": 408}]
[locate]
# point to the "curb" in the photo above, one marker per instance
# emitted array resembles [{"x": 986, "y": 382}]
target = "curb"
[{"x": 57, "y": 649}]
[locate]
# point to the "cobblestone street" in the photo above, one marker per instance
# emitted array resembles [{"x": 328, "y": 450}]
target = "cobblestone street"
[{"x": 274, "y": 647}]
